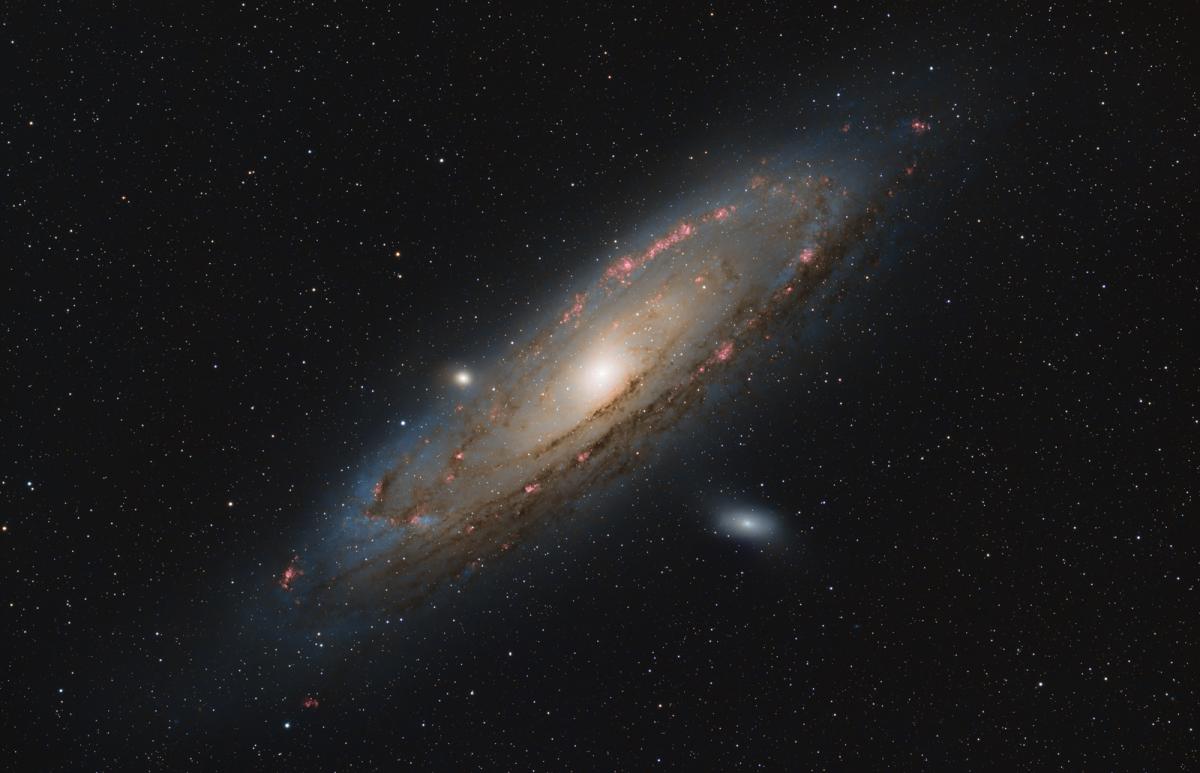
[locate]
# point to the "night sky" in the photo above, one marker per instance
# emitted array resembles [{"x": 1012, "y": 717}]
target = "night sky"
[{"x": 936, "y": 518}]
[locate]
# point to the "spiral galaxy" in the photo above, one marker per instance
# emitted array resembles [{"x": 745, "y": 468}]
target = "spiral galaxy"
[{"x": 622, "y": 361}]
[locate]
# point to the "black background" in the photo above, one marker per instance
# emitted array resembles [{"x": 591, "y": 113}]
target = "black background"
[{"x": 241, "y": 243}]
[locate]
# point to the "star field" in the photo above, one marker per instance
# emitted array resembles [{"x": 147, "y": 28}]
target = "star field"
[{"x": 255, "y": 253}]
